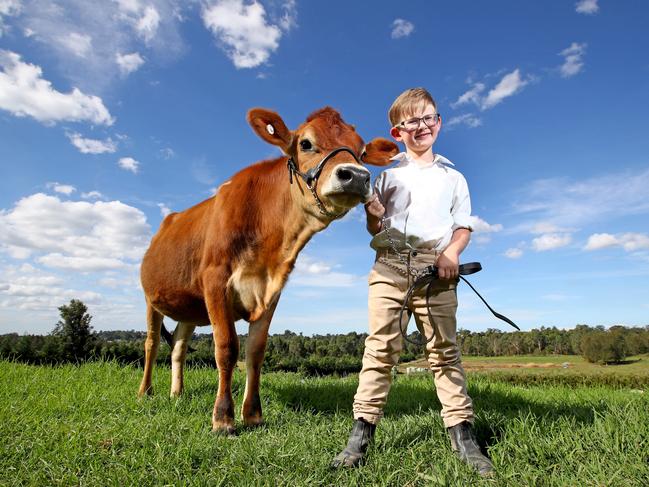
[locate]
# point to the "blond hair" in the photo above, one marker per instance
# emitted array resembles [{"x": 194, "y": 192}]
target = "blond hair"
[{"x": 407, "y": 102}]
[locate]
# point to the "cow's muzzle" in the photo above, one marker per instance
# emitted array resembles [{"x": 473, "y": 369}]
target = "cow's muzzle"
[{"x": 351, "y": 179}]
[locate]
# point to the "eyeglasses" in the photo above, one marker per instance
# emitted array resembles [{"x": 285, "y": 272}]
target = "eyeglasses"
[{"x": 413, "y": 123}]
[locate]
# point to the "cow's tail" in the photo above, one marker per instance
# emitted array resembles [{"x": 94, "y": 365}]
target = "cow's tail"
[{"x": 169, "y": 338}]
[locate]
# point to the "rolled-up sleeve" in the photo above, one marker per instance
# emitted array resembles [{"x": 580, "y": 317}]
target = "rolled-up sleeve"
[{"x": 461, "y": 210}]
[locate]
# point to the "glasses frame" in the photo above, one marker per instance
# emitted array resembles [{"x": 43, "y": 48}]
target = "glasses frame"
[{"x": 436, "y": 118}]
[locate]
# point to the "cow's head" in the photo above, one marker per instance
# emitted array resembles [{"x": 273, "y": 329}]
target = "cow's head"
[{"x": 343, "y": 182}]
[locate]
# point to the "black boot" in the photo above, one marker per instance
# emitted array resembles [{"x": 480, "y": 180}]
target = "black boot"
[
  {"x": 359, "y": 439},
  {"x": 466, "y": 448}
]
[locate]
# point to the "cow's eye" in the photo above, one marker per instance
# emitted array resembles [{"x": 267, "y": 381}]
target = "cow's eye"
[{"x": 306, "y": 144}]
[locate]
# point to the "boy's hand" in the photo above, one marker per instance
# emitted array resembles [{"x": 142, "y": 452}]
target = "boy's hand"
[
  {"x": 448, "y": 265},
  {"x": 374, "y": 207}
]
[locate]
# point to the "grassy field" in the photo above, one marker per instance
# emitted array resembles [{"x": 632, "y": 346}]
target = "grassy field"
[
  {"x": 570, "y": 370},
  {"x": 84, "y": 426}
]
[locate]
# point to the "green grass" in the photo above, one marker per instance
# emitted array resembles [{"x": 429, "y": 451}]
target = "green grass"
[{"x": 84, "y": 426}]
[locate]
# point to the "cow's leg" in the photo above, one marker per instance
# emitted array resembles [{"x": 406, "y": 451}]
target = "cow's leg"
[
  {"x": 255, "y": 350},
  {"x": 226, "y": 347},
  {"x": 182, "y": 336},
  {"x": 151, "y": 345}
]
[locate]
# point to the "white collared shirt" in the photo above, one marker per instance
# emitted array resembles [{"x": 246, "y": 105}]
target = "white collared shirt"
[{"x": 423, "y": 205}]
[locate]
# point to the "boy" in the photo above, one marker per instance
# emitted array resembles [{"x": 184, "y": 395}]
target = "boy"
[{"x": 419, "y": 216}]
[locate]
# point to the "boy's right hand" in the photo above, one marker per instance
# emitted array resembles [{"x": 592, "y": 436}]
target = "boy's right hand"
[{"x": 374, "y": 207}]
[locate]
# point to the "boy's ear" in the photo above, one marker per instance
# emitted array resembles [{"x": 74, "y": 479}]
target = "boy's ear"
[
  {"x": 379, "y": 151},
  {"x": 269, "y": 126}
]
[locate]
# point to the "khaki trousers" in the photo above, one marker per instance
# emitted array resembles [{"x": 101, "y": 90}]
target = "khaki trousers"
[{"x": 388, "y": 284}]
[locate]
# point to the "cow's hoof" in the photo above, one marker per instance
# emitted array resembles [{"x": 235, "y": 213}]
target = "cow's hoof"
[
  {"x": 143, "y": 392},
  {"x": 254, "y": 422},
  {"x": 227, "y": 430}
]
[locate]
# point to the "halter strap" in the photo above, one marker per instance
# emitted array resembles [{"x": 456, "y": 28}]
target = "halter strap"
[{"x": 311, "y": 176}]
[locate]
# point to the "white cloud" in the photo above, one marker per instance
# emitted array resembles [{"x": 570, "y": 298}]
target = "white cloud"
[
  {"x": 311, "y": 273},
  {"x": 92, "y": 195},
  {"x": 288, "y": 20},
  {"x": 24, "y": 92},
  {"x": 83, "y": 264},
  {"x": 8, "y": 8},
  {"x": 572, "y": 59},
  {"x": 242, "y": 31},
  {"x": 74, "y": 235},
  {"x": 129, "y": 63},
  {"x": 164, "y": 209},
  {"x": 474, "y": 95},
  {"x": 600, "y": 241},
  {"x": 547, "y": 227},
  {"x": 28, "y": 287},
  {"x": 129, "y": 164},
  {"x": 561, "y": 203},
  {"x": 78, "y": 44},
  {"x": 62, "y": 188},
  {"x": 509, "y": 85},
  {"x": 588, "y": 7},
  {"x": 481, "y": 226},
  {"x": 306, "y": 265},
  {"x": 147, "y": 25},
  {"x": 630, "y": 242},
  {"x": 150, "y": 27},
  {"x": 468, "y": 119},
  {"x": 401, "y": 28},
  {"x": 634, "y": 241},
  {"x": 513, "y": 253},
  {"x": 91, "y": 146},
  {"x": 551, "y": 241}
]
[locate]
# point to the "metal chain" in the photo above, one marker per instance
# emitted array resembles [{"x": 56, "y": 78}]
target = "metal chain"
[
  {"x": 321, "y": 206},
  {"x": 415, "y": 273}
]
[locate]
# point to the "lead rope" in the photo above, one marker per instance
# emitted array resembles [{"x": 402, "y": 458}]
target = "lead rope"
[{"x": 426, "y": 277}]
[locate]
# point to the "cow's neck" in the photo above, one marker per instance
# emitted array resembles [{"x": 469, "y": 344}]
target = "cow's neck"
[
  {"x": 301, "y": 221},
  {"x": 285, "y": 227}
]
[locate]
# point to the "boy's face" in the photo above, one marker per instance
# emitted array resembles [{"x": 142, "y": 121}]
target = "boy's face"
[{"x": 421, "y": 138}]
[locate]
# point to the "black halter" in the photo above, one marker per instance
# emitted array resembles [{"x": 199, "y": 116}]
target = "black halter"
[{"x": 311, "y": 177}]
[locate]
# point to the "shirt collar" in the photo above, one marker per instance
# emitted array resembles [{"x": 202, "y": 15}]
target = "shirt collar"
[{"x": 404, "y": 159}]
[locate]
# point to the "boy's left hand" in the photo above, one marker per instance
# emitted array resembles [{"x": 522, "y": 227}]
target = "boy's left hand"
[{"x": 448, "y": 265}]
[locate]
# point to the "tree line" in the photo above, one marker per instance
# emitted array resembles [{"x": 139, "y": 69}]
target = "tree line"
[{"x": 73, "y": 340}]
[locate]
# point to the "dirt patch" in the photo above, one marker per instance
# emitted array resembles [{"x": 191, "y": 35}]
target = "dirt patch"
[{"x": 474, "y": 366}]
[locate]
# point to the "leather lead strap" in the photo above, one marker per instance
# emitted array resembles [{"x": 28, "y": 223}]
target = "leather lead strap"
[{"x": 430, "y": 275}]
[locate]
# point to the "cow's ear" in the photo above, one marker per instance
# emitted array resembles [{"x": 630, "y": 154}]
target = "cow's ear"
[
  {"x": 269, "y": 126},
  {"x": 379, "y": 151}
]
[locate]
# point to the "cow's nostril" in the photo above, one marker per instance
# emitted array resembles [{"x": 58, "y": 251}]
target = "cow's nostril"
[{"x": 344, "y": 174}]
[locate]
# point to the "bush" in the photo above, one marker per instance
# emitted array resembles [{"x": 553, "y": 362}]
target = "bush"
[{"x": 604, "y": 347}]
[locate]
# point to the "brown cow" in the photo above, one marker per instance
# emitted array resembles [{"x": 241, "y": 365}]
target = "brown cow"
[{"x": 229, "y": 257}]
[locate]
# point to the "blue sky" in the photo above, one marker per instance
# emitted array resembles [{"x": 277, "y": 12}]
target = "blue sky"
[{"x": 114, "y": 113}]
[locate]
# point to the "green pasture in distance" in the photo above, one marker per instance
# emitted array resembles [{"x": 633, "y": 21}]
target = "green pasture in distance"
[
  {"x": 567, "y": 370},
  {"x": 82, "y": 425}
]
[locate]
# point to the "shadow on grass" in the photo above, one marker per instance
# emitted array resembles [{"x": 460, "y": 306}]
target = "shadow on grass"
[
  {"x": 415, "y": 398},
  {"x": 624, "y": 362},
  {"x": 408, "y": 398}
]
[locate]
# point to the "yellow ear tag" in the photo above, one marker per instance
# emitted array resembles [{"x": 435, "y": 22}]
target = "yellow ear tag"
[{"x": 271, "y": 129}]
